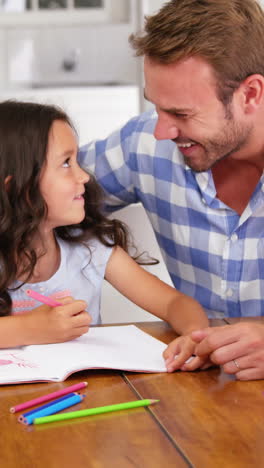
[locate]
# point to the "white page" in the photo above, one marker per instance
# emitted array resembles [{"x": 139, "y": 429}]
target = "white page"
[{"x": 118, "y": 347}]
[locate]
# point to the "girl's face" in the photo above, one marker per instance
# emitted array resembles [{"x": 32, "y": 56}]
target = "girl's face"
[{"x": 62, "y": 180}]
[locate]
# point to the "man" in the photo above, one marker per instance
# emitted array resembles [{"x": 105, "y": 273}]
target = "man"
[{"x": 196, "y": 164}]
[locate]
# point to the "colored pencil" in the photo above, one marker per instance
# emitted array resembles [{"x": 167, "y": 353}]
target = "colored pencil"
[
  {"x": 22, "y": 417},
  {"x": 93, "y": 411},
  {"x": 49, "y": 396},
  {"x": 41, "y": 298},
  {"x": 55, "y": 408}
]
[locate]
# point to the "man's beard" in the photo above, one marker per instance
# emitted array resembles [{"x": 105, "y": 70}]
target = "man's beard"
[{"x": 232, "y": 137}]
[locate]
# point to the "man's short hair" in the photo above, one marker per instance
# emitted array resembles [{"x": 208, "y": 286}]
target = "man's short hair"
[{"x": 228, "y": 34}]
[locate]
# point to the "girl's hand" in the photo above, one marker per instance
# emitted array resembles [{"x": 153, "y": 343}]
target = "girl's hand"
[
  {"x": 179, "y": 355},
  {"x": 47, "y": 324}
]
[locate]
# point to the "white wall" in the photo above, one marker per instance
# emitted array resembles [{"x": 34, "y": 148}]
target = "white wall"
[
  {"x": 95, "y": 111},
  {"x": 116, "y": 308},
  {"x": 154, "y": 5}
]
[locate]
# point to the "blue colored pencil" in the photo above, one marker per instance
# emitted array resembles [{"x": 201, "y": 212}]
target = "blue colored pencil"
[
  {"x": 22, "y": 417},
  {"x": 52, "y": 409}
]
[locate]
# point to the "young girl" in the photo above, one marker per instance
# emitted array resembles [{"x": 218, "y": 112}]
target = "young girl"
[{"x": 55, "y": 240}]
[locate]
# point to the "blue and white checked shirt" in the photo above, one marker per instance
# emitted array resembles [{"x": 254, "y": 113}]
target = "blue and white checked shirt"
[{"x": 211, "y": 253}]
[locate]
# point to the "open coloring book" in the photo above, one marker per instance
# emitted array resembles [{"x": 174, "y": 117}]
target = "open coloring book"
[{"x": 118, "y": 347}]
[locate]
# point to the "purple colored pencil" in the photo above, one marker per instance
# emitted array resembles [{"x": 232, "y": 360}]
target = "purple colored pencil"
[
  {"x": 53, "y": 409},
  {"x": 22, "y": 417}
]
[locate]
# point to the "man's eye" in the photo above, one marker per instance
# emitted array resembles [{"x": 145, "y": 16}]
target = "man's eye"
[
  {"x": 66, "y": 163},
  {"x": 181, "y": 116}
]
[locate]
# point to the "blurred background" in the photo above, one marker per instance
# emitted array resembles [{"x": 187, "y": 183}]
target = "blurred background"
[{"x": 75, "y": 53}]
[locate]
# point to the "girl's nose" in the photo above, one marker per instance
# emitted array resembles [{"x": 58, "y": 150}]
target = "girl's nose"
[{"x": 83, "y": 176}]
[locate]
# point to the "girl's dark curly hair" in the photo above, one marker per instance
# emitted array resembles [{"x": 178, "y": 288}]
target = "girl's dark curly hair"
[{"x": 24, "y": 133}]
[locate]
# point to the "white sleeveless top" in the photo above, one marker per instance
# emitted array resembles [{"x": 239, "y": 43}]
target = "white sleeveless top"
[{"x": 80, "y": 275}]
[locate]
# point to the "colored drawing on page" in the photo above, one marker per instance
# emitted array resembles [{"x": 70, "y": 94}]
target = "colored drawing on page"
[{"x": 15, "y": 359}]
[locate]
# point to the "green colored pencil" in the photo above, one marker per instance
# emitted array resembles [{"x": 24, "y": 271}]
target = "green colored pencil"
[{"x": 92, "y": 411}]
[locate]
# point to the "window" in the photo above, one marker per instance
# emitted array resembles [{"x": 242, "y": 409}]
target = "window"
[
  {"x": 60, "y": 4},
  {"x": 57, "y": 11}
]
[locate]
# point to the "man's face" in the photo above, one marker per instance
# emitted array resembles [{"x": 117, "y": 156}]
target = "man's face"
[{"x": 191, "y": 115}]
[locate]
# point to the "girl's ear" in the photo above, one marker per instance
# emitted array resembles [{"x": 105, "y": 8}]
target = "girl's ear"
[{"x": 7, "y": 181}]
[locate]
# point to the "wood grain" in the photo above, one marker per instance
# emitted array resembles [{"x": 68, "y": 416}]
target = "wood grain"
[
  {"x": 124, "y": 439},
  {"x": 215, "y": 420}
]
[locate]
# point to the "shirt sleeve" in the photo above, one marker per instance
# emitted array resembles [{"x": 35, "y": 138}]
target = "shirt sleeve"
[
  {"x": 114, "y": 162},
  {"x": 97, "y": 259}
]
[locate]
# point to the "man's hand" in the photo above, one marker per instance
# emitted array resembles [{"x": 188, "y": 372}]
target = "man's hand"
[
  {"x": 239, "y": 348},
  {"x": 179, "y": 355}
]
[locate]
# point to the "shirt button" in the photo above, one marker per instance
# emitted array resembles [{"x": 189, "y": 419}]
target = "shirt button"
[
  {"x": 234, "y": 237},
  {"x": 229, "y": 292},
  {"x": 203, "y": 200},
  {"x": 41, "y": 289}
]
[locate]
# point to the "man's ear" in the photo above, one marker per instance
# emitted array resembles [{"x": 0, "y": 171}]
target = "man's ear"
[{"x": 253, "y": 93}]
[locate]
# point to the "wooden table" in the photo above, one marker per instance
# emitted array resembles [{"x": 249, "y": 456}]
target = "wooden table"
[{"x": 204, "y": 419}]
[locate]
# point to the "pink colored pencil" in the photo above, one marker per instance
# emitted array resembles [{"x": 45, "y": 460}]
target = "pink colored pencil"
[
  {"x": 48, "y": 397},
  {"x": 43, "y": 299}
]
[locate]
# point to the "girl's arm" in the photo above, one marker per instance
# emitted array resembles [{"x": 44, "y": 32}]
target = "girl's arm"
[
  {"x": 45, "y": 324},
  {"x": 182, "y": 312}
]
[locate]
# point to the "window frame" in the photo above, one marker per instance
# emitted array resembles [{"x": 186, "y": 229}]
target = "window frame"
[{"x": 64, "y": 16}]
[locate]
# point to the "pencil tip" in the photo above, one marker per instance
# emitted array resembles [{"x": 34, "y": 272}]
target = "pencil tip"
[{"x": 154, "y": 401}]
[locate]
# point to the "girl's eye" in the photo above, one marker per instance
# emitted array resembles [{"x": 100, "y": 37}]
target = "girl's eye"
[{"x": 66, "y": 163}]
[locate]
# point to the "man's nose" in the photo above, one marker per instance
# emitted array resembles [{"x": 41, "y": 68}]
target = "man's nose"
[{"x": 165, "y": 129}]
